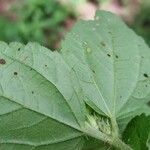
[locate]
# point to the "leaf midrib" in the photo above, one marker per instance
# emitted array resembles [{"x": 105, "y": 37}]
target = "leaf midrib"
[
  {"x": 46, "y": 80},
  {"x": 43, "y": 143},
  {"x": 30, "y": 109}
]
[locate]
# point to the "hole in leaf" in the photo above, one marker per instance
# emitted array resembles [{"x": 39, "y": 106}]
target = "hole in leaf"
[
  {"x": 145, "y": 75},
  {"x": 19, "y": 49},
  {"x": 15, "y": 73},
  {"x": 117, "y": 56},
  {"x": 93, "y": 71},
  {"x": 108, "y": 55},
  {"x": 2, "y": 61}
]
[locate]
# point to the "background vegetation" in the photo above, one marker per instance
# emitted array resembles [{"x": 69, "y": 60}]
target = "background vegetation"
[{"x": 47, "y": 21}]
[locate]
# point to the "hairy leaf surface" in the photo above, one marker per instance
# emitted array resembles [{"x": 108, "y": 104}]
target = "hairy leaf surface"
[
  {"x": 55, "y": 100},
  {"x": 111, "y": 63}
]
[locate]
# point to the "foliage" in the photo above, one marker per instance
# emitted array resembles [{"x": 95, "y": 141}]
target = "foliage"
[
  {"x": 137, "y": 132},
  {"x": 142, "y": 21},
  {"x": 40, "y": 21},
  {"x": 73, "y": 2},
  {"x": 89, "y": 91}
]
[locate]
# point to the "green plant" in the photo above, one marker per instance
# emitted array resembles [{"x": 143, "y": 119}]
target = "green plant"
[
  {"x": 88, "y": 92},
  {"x": 142, "y": 21},
  {"x": 36, "y": 20},
  {"x": 137, "y": 132}
]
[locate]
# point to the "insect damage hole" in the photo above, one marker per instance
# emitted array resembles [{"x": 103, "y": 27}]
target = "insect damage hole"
[
  {"x": 103, "y": 44},
  {"x": 2, "y": 61},
  {"x": 108, "y": 55},
  {"x": 117, "y": 56},
  {"x": 15, "y": 73},
  {"x": 145, "y": 75}
]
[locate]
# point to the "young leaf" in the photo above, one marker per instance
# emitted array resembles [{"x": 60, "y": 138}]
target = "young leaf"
[{"x": 137, "y": 132}]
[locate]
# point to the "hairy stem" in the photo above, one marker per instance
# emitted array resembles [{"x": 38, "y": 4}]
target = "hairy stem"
[
  {"x": 120, "y": 144},
  {"x": 114, "y": 141},
  {"x": 115, "y": 129}
]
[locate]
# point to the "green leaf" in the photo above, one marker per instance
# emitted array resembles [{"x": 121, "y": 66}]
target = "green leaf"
[
  {"x": 94, "y": 144},
  {"x": 142, "y": 90},
  {"x": 110, "y": 62},
  {"x": 54, "y": 100},
  {"x": 148, "y": 142},
  {"x": 32, "y": 110},
  {"x": 137, "y": 132}
]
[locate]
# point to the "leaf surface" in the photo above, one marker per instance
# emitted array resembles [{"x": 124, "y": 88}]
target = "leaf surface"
[
  {"x": 137, "y": 132},
  {"x": 110, "y": 62},
  {"x": 32, "y": 110},
  {"x": 45, "y": 96}
]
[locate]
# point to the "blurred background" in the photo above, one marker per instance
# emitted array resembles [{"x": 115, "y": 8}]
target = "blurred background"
[{"x": 47, "y": 21}]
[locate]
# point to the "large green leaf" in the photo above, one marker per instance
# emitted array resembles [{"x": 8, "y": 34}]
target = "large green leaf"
[
  {"x": 32, "y": 110},
  {"x": 148, "y": 142},
  {"x": 53, "y": 101},
  {"x": 112, "y": 65},
  {"x": 137, "y": 132},
  {"x": 142, "y": 91}
]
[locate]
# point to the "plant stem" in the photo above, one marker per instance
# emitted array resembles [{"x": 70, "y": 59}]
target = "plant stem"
[
  {"x": 115, "y": 129},
  {"x": 114, "y": 141},
  {"x": 119, "y": 144}
]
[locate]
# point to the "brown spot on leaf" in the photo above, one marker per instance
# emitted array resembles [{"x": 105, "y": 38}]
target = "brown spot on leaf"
[
  {"x": 15, "y": 73},
  {"x": 103, "y": 44},
  {"x": 145, "y": 75},
  {"x": 93, "y": 71},
  {"x": 117, "y": 56},
  {"x": 2, "y": 61},
  {"x": 108, "y": 55}
]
